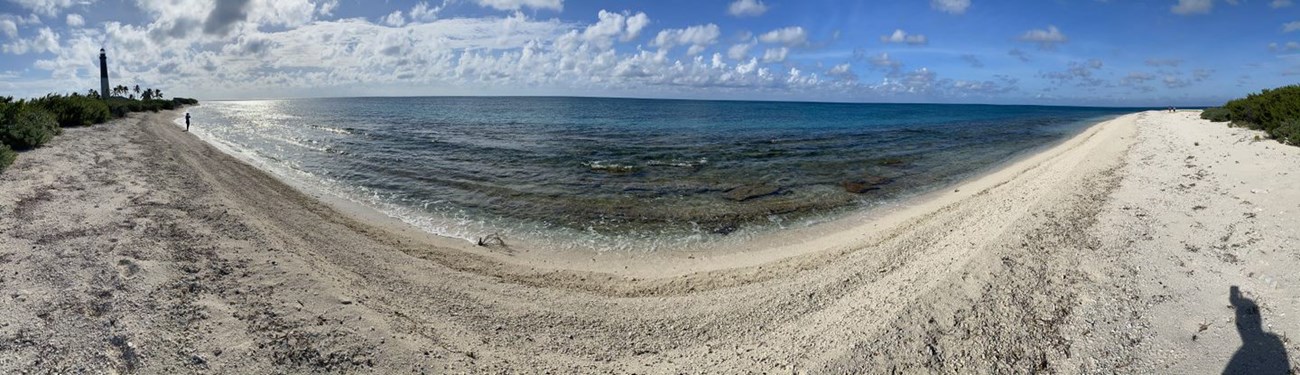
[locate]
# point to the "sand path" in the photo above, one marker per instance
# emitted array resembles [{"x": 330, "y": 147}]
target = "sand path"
[{"x": 135, "y": 247}]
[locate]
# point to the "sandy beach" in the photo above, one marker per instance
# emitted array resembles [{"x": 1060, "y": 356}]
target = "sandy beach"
[{"x": 134, "y": 247}]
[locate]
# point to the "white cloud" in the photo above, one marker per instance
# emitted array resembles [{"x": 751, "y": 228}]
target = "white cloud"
[
  {"x": 900, "y": 36},
  {"x": 740, "y": 51},
  {"x": 792, "y": 36},
  {"x": 776, "y": 54},
  {"x": 697, "y": 37},
  {"x": 75, "y": 20},
  {"x": 46, "y": 40},
  {"x": 747, "y": 8},
  {"x": 48, "y": 8},
  {"x": 882, "y": 60},
  {"x": 843, "y": 72},
  {"x": 512, "y": 53},
  {"x": 421, "y": 12},
  {"x": 555, "y": 5},
  {"x": 1276, "y": 4},
  {"x": 1046, "y": 39},
  {"x": 326, "y": 8},
  {"x": 950, "y": 6},
  {"x": 635, "y": 24},
  {"x": 612, "y": 25},
  {"x": 1291, "y": 26},
  {"x": 1187, "y": 7},
  {"x": 9, "y": 28},
  {"x": 395, "y": 19}
]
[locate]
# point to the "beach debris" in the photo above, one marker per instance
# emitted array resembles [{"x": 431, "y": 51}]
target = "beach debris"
[
  {"x": 747, "y": 192},
  {"x": 491, "y": 240},
  {"x": 864, "y": 184}
]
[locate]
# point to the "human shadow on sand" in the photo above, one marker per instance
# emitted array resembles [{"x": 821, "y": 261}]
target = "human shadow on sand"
[{"x": 1261, "y": 352}]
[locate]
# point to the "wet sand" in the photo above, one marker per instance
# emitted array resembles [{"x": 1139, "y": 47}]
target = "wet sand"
[{"x": 135, "y": 247}]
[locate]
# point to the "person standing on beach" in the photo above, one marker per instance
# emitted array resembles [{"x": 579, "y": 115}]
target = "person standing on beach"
[{"x": 187, "y": 121}]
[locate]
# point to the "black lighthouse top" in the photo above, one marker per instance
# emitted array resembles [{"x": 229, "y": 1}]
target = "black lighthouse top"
[{"x": 103, "y": 64}]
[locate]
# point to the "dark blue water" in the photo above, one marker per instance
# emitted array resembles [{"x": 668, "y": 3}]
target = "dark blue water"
[{"x": 624, "y": 173}]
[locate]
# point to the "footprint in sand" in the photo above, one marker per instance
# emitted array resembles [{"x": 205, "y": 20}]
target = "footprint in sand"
[{"x": 127, "y": 268}]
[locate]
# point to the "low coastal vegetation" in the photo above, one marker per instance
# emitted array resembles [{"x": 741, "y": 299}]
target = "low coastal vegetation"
[
  {"x": 1275, "y": 111},
  {"x": 27, "y": 124}
]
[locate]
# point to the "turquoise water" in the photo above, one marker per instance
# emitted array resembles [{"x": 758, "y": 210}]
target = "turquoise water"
[{"x": 624, "y": 173}]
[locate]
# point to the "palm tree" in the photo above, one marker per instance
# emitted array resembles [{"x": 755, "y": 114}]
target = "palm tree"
[
  {"x": 157, "y": 93},
  {"x": 137, "y": 89}
]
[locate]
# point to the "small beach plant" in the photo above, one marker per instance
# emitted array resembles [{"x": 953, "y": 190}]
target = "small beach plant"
[{"x": 7, "y": 156}]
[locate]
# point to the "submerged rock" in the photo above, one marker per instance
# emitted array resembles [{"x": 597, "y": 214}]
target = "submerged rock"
[
  {"x": 865, "y": 184},
  {"x": 747, "y": 192}
]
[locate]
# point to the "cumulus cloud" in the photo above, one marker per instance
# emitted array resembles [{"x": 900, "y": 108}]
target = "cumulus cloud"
[
  {"x": 950, "y": 6},
  {"x": 740, "y": 51},
  {"x": 1189, "y": 7},
  {"x": 900, "y": 36},
  {"x": 610, "y": 26},
  {"x": 843, "y": 71},
  {"x": 883, "y": 61},
  {"x": 9, "y": 28},
  {"x": 747, "y": 8},
  {"x": 1276, "y": 4},
  {"x": 395, "y": 19},
  {"x": 45, "y": 40},
  {"x": 48, "y": 8},
  {"x": 422, "y": 12},
  {"x": 556, "y": 5},
  {"x": 776, "y": 54},
  {"x": 973, "y": 61},
  {"x": 792, "y": 36},
  {"x": 74, "y": 20},
  {"x": 697, "y": 37},
  {"x": 1047, "y": 39},
  {"x": 430, "y": 55}
]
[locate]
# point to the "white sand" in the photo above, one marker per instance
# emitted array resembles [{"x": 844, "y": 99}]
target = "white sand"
[{"x": 134, "y": 247}]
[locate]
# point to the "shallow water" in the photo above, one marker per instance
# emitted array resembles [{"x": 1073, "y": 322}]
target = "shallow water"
[{"x": 605, "y": 174}]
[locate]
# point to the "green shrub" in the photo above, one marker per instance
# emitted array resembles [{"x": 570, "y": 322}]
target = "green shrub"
[
  {"x": 74, "y": 110},
  {"x": 1267, "y": 109},
  {"x": 7, "y": 156},
  {"x": 185, "y": 101},
  {"x": 1216, "y": 114},
  {"x": 1288, "y": 132},
  {"x": 31, "y": 128}
]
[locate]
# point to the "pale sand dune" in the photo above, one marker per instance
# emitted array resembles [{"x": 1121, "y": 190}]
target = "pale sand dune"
[{"x": 134, "y": 247}]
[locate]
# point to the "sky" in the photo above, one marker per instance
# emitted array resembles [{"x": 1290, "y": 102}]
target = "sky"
[{"x": 1067, "y": 52}]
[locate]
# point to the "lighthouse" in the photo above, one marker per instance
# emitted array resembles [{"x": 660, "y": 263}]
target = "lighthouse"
[{"x": 103, "y": 74}]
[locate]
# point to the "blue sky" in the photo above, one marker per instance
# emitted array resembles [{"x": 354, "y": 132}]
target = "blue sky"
[{"x": 1074, "y": 52}]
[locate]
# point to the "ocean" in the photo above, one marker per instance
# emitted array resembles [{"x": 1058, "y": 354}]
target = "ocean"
[{"x": 596, "y": 174}]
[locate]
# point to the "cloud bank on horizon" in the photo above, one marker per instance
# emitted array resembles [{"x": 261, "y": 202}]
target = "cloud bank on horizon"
[{"x": 1082, "y": 52}]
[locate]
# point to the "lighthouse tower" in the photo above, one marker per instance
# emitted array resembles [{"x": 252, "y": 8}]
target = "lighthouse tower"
[{"x": 103, "y": 74}]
